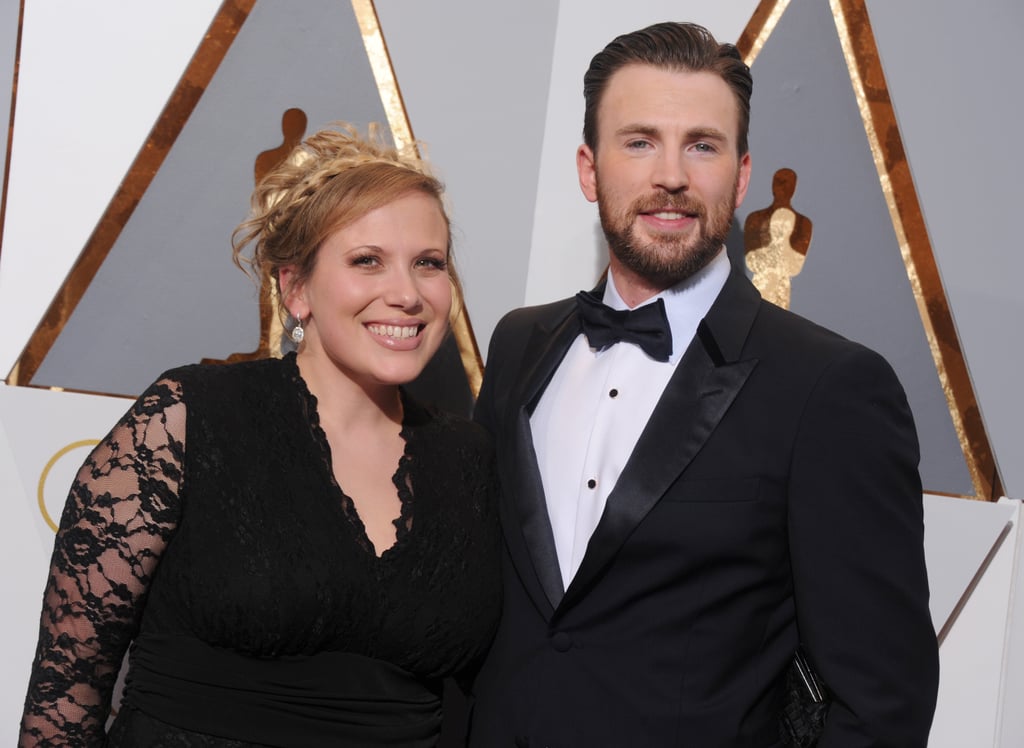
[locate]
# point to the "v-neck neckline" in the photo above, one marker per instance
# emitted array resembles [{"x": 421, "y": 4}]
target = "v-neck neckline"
[{"x": 400, "y": 478}]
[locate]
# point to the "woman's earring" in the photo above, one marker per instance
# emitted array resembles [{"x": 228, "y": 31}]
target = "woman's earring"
[{"x": 297, "y": 332}]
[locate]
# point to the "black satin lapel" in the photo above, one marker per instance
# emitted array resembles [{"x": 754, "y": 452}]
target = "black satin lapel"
[
  {"x": 531, "y": 516},
  {"x": 546, "y": 348},
  {"x": 694, "y": 402}
]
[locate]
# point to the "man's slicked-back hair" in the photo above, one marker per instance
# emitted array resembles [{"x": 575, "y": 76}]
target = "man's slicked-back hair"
[{"x": 671, "y": 46}]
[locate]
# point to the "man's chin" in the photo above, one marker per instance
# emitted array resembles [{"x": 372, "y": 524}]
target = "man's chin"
[{"x": 668, "y": 259}]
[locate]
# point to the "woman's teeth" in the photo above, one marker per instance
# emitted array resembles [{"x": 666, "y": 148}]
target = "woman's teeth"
[{"x": 395, "y": 331}]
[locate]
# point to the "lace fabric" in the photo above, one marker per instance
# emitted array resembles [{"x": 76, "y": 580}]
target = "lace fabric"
[
  {"x": 227, "y": 526},
  {"x": 120, "y": 514}
]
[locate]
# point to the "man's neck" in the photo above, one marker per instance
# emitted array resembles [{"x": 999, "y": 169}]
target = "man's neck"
[
  {"x": 636, "y": 290},
  {"x": 633, "y": 289}
]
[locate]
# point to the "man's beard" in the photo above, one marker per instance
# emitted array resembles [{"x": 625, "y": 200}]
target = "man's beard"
[{"x": 667, "y": 259}]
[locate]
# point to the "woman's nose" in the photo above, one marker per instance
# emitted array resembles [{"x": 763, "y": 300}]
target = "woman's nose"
[{"x": 402, "y": 291}]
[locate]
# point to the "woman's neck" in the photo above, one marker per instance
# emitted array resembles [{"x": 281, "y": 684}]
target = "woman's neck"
[{"x": 344, "y": 400}]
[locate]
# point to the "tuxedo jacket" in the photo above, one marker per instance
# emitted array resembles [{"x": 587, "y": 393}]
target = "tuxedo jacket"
[{"x": 772, "y": 499}]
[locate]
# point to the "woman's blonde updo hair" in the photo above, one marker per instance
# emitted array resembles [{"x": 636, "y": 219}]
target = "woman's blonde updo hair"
[{"x": 329, "y": 181}]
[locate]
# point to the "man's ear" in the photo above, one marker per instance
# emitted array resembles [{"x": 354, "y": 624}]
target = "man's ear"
[
  {"x": 587, "y": 171},
  {"x": 742, "y": 179}
]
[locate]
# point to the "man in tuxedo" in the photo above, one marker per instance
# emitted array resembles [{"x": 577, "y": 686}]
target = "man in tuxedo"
[{"x": 696, "y": 482}]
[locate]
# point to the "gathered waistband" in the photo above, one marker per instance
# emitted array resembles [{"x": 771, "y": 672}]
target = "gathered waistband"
[{"x": 326, "y": 698}]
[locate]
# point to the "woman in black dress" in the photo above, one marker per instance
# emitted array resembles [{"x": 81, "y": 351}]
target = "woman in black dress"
[{"x": 295, "y": 550}]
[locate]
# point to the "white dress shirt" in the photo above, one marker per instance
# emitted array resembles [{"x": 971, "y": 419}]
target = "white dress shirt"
[{"x": 592, "y": 413}]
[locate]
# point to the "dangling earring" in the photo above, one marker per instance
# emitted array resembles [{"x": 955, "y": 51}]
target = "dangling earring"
[{"x": 297, "y": 332}]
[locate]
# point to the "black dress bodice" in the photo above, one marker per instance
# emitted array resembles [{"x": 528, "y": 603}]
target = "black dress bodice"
[{"x": 209, "y": 528}]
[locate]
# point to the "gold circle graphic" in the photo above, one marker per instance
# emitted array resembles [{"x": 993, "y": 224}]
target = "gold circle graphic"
[{"x": 46, "y": 471}]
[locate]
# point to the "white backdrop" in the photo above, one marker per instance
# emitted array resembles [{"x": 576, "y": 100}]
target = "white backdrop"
[{"x": 494, "y": 89}]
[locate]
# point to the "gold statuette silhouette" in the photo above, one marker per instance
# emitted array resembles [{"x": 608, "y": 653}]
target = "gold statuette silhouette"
[{"x": 776, "y": 240}]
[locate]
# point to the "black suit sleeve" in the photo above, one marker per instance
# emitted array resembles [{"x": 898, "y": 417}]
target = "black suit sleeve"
[
  {"x": 856, "y": 540},
  {"x": 507, "y": 337},
  {"x": 483, "y": 410}
]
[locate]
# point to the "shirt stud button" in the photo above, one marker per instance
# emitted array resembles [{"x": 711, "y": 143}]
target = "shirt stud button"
[{"x": 591, "y": 483}]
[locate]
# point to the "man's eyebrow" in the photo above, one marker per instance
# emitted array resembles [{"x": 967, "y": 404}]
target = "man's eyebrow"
[
  {"x": 637, "y": 128},
  {"x": 706, "y": 133},
  {"x": 695, "y": 133}
]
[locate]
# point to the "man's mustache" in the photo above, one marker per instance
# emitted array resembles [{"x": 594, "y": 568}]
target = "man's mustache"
[{"x": 668, "y": 203}]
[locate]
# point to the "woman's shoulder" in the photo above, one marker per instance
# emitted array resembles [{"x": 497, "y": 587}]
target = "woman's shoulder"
[
  {"x": 444, "y": 427},
  {"x": 230, "y": 377},
  {"x": 218, "y": 391}
]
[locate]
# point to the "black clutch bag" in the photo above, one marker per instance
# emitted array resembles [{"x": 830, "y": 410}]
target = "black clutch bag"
[{"x": 806, "y": 705}]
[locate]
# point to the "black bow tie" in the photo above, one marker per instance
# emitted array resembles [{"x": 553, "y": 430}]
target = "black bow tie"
[{"x": 646, "y": 326}]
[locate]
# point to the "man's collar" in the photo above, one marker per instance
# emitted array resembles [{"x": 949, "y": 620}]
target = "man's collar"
[
  {"x": 706, "y": 282},
  {"x": 687, "y": 302}
]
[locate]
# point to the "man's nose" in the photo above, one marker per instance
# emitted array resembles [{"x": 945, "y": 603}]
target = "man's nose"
[{"x": 670, "y": 171}]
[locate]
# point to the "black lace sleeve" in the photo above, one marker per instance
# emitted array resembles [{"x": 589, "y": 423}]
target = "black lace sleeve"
[{"x": 121, "y": 513}]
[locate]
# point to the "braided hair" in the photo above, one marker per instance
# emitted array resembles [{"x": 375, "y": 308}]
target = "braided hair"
[{"x": 329, "y": 181}]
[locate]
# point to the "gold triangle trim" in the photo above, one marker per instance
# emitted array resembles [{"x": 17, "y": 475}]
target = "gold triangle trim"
[
  {"x": 10, "y": 121},
  {"x": 760, "y": 27},
  {"x": 897, "y": 184},
  {"x": 204, "y": 64},
  {"x": 401, "y": 130},
  {"x": 197, "y": 76}
]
